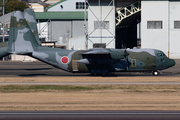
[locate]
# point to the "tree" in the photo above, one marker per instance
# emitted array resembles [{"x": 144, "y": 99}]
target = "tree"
[{"x": 12, "y": 5}]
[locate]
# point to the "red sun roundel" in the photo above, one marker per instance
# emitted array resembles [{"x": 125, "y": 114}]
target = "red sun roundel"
[{"x": 64, "y": 60}]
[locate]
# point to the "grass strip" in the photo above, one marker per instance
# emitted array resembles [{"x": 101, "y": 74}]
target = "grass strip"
[
  {"x": 48, "y": 88},
  {"x": 71, "y": 88}
]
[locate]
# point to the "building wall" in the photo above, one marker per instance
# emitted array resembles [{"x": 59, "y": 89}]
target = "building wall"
[
  {"x": 37, "y": 7},
  {"x": 78, "y": 28},
  {"x": 7, "y": 18},
  {"x": 43, "y": 30},
  {"x": 77, "y": 43},
  {"x": 60, "y": 30},
  {"x": 101, "y": 13},
  {"x": 63, "y": 30},
  {"x": 154, "y": 38},
  {"x": 174, "y": 32},
  {"x": 22, "y": 58},
  {"x": 167, "y": 38},
  {"x": 68, "y": 5}
]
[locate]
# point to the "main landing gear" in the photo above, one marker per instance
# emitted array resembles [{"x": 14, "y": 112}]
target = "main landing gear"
[
  {"x": 99, "y": 72},
  {"x": 155, "y": 73}
]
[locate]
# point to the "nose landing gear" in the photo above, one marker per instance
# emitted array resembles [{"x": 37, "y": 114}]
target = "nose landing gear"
[{"x": 155, "y": 73}]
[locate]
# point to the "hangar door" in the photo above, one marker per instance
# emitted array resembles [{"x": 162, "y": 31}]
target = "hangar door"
[{"x": 127, "y": 19}]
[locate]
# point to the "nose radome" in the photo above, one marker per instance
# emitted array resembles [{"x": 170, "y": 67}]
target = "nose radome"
[{"x": 170, "y": 63}]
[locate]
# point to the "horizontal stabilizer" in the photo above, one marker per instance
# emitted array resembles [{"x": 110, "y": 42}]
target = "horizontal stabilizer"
[
  {"x": 21, "y": 53},
  {"x": 3, "y": 52}
]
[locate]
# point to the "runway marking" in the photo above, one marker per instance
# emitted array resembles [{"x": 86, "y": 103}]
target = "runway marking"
[
  {"x": 97, "y": 83},
  {"x": 89, "y": 113}
]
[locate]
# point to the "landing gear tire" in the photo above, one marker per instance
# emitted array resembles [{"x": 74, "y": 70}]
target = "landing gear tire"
[
  {"x": 99, "y": 72},
  {"x": 104, "y": 74},
  {"x": 155, "y": 73}
]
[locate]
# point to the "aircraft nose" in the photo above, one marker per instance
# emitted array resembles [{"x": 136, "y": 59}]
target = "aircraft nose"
[{"x": 170, "y": 63}]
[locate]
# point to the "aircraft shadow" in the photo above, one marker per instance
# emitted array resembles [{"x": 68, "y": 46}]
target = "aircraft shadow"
[
  {"x": 29, "y": 69},
  {"x": 66, "y": 74},
  {"x": 32, "y": 75},
  {"x": 39, "y": 69}
]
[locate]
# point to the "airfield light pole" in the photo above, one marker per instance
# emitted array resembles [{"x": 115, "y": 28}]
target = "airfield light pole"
[
  {"x": 100, "y": 21},
  {"x": 85, "y": 29},
  {"x": 168, "y": 27},
  {"x": 3, "y": 20},
  {"x": 67, "y": 44}
]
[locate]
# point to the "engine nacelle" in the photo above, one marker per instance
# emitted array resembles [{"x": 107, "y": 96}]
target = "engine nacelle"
[{"x": 116, "y": 55}]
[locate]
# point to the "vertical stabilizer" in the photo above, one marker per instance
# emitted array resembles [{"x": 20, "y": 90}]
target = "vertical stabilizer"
[
  {"x": 21, "y": 38},
  {"x": 29, "y": 15}
]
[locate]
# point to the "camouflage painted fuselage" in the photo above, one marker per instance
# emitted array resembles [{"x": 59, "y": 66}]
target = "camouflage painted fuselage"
[{"x": 137, "y": 60}]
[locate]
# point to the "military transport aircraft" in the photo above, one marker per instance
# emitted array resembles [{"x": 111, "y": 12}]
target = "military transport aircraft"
[{"x": 22, "y": 41}]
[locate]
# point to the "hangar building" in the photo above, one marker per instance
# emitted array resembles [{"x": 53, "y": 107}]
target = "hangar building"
[
  {"x": 81, "y": 24},
  {"x": 160, "y": 26}
]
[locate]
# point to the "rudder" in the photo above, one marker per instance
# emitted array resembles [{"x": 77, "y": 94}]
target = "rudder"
[{"x": 30, "y": 17}]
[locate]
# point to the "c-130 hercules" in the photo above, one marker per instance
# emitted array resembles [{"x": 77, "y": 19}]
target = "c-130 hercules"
[{"x": 22, "y": 41}]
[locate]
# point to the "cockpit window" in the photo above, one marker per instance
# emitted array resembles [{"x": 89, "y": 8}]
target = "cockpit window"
[
  {"x": 160, "y": 53},
  {"x": 163, "y": 54}
]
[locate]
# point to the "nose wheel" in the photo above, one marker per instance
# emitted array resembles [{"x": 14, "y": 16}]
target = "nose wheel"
[{"x": 155, "y": 73}]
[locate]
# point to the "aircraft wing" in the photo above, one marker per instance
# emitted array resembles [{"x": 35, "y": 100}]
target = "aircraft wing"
[
  {"x": 97, "y": 51},
  {"x": 101, "y": 56}
]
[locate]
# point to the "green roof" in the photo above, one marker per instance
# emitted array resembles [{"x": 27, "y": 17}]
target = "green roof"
[
  {"x": 55, "y": 4},
  {"x": 60, "y": 15}
]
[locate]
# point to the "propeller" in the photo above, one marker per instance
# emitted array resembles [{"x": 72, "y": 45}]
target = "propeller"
[
  {"x": 123, "y": 45},
  {"x": 126, "y": 59}
]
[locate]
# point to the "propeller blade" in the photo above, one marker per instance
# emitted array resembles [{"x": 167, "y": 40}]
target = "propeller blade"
[
  {"x": 125, "y": 53},
  {"x": 126, "y": 59}
]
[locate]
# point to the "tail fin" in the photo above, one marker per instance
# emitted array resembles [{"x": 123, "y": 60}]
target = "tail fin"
[
  {"x": 29, "y": 15},
  {"x": 21, "y": 38}
]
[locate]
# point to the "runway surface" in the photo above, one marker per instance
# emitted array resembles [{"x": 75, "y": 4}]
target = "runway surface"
[
  {"x": 90, "y": 115},
  {"x": 39, "y": 69},
  {"x": 95, "y": 83},
  {"x": 33, "y": 69}
]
